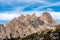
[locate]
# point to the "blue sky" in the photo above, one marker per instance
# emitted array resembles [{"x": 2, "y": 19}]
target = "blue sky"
[{"x": 14, "y": 8}]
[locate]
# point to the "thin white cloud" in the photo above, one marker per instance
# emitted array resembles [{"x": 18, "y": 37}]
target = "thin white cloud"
[
  {"x": 6, "y": 16},
  {"x": 11, "y": 15},
  {"x": 49, "y": 9},
  {"x": 54, "y": 4},
  {"x": 28, "y": 1},
  {"x": 55, "y": 15}
]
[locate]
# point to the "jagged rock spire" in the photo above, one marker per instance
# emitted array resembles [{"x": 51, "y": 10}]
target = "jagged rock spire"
[{"x": 47, "y": 18}]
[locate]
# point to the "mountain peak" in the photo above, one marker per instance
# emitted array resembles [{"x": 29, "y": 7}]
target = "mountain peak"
[
  {"x": 47, "y": 18},
  {"x": 24, "y": 26}
]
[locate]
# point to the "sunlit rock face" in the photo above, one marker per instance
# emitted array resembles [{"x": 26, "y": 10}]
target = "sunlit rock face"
[
  {"x": 29, "y": 26},
  {"x": 46, "y": 17}
]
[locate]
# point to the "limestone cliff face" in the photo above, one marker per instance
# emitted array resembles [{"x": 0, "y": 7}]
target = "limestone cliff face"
[
  {"x": 27, "y": 25},
  {"x": 47, "y": 18}
]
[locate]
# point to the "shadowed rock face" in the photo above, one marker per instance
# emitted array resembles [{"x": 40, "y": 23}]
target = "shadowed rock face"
[{"x": 24, "y": 26}]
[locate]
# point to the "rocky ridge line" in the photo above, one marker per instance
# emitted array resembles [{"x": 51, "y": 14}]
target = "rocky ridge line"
[{"x": 24, "y": 26}]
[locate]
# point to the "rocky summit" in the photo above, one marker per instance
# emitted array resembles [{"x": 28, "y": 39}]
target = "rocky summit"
[{"x": 30, "y": 27}]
